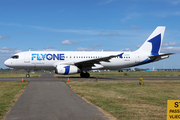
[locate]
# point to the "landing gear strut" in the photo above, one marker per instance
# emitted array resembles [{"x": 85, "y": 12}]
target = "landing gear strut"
[
  {"x": 27, "y": 75},
  {"x": 84, "y": 75}
]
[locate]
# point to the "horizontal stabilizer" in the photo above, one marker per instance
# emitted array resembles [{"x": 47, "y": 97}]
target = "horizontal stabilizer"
[{"x": 160, "y": 56}]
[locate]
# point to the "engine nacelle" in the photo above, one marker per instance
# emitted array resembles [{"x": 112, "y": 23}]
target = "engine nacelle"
[{"x": 66, "y": 69}]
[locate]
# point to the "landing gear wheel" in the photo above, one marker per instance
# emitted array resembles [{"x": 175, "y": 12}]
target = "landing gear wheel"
[
  {"x": 85, "y": 75},
  {"x": 82, "y": 75},
  {"x": 28, "y": 71},
  {"x": 27, "y": 75}
]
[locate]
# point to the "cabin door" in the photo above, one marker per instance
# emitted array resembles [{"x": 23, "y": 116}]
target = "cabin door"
[{"x": 26, "y": 57}]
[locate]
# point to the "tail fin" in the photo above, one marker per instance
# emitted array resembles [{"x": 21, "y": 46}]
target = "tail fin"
[{"x": 154, "y": 41}]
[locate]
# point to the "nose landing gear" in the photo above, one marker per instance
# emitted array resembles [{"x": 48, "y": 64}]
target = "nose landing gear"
[{"x": 27, "y": 75}]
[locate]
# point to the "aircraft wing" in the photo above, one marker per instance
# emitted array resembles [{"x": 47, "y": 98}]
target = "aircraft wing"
[
  {"x": 161, "y": 56},
  {"x": 91, "y": 62}
]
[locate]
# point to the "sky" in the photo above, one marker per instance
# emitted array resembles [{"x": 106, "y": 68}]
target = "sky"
[{"x": 88, "y": 25}]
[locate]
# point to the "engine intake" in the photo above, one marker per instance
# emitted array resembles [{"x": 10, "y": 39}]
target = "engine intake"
[{"x": 66, "y": 69}]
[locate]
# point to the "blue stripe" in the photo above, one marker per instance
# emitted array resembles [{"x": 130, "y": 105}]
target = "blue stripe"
[
  {"x": 67, "y": 68},
  {"x": 144, "y": 62}
]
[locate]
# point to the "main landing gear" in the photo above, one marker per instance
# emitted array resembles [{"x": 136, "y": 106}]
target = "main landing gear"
[
  {"x": 27, "y": 75},
  {"x": 84, "y": 75}
]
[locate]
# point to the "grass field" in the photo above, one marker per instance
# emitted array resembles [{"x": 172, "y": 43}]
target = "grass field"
[
  {"x": 126, "y": 100},
  {"x": 19, "y": 75},
  {"x": 120, "y": 74},
  {"x": 96, "y": 74},
  {"x": 9, "y": 93},
  {"x": 135, "y": 74}
]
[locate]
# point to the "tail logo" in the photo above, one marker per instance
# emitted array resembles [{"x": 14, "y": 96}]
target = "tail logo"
[{"x": 156, "y": 43}]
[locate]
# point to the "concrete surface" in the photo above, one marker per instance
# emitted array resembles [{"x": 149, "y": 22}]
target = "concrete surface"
[{"x": 52, "y": 101}]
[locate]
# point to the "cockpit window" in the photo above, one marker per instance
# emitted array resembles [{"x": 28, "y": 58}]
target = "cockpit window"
[{"x": 15, "y": 57}]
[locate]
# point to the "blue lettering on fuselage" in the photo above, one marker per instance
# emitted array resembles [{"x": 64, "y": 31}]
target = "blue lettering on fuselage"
[{"x": 47, "y": 56}]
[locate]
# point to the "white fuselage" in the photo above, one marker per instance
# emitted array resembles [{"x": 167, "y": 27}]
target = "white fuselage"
[{"x": 49, "y": 59}]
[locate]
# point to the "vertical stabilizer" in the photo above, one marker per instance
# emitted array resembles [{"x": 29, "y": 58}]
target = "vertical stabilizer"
[{"x": 154, "y": 41}]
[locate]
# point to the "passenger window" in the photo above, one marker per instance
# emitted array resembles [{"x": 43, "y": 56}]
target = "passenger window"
[{"x": 15, "y": 57}]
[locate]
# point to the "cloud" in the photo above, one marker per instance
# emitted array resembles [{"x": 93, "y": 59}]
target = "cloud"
[
  {"x": 4, "y": 37},
  {"x": 130, "y": 16},
  {"x": 138, "y": 46},
  {"x": 5, "y": 48},
  {"x": 171, "y": 50},
  {"x": 166, "y": 14},
  {"x": 110, "y": 34},
  {"x": 107, "y": 50},
  {"x": 67, "y": 42},
  {"x": 96, "y": 45},
  {"x": 10, "y": 24},
  {"x": 85, "y": 49},
  {"x": 106, "y": 2},
  {"x": 49, "y": 50},
  {"x": 48, "y": 47},
  {"x": 10, "y": 51},
  {"x": 136, "y": 27},
  {"x": 127, "y": 49},
  {"x": 65, "y": 31},
  {"x": 31, "y": 48},
  {"x": 53, "y": 29},
  {"x": 166, "y": 44},
  {"x": 17, "y": 51},
  {"x": 5, "y": 51},
  {"x": 174, "y": 2},
  {"x": 24, "y": 32}
]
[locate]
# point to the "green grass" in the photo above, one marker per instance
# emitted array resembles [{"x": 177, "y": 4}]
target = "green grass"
[
  {"x": 9, "y": 93},
  {"x": 16, "y": 73},
  {"x": 127, "y": 100},
  {"x": 19, "y": 75},
  {"x": 97, "y": 74},
  {"x": 133, "y": 74},
  {"x": 138, "y": 74}
]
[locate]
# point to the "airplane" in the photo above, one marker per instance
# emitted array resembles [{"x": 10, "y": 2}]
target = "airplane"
[
  {"x": 151, "y": 70},
  {"x": 72, "y": 62}
]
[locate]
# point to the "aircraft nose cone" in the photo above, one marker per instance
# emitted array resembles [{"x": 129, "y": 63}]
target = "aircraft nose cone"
[{"x": 7, "y": 63}]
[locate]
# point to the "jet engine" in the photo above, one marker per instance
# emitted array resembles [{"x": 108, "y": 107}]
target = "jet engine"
[{"x": 66, "y": 69}]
